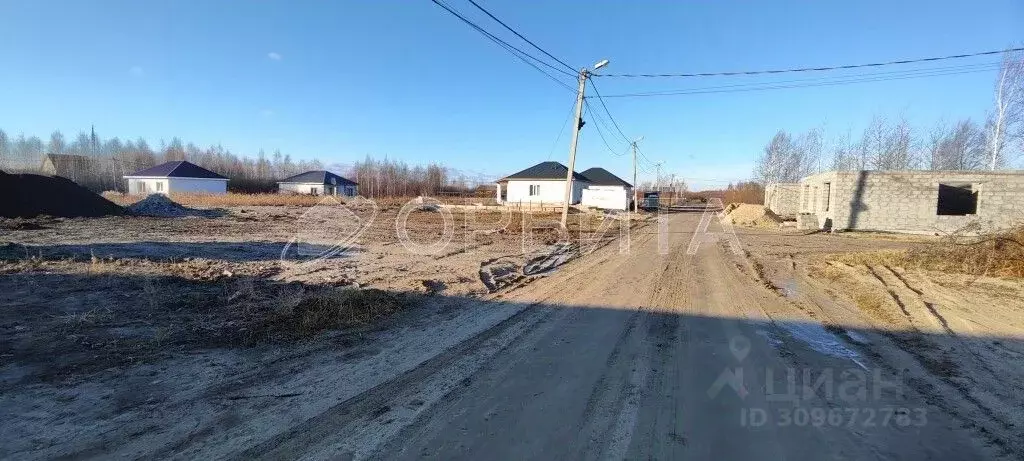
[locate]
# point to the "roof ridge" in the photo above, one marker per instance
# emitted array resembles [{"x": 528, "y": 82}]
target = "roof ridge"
[{"x": 179, "y": 164}]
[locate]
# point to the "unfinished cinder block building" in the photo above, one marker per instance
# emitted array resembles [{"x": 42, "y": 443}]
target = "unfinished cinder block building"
[
  {"x": 932, "y": 202},
  {"x": 783, "y": 198}
]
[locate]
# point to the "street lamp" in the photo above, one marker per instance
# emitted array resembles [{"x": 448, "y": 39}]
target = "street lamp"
[{"x": 601, "y": 64}]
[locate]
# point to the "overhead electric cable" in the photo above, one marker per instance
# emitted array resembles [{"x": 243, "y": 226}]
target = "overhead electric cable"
[{"x": 816, "y": 69}]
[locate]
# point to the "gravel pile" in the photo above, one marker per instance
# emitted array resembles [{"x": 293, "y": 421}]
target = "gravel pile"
[
  {"x": 31, "y": 195},
  {"x": 160, "y": 205}
]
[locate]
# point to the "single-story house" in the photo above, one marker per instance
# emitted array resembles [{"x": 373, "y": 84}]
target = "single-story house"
[
  {"x": 541, "y": 184},
  {"x": 176, "y": 177},
  {"x": 318, "y": 182},
  {"x": 912, "y": 201},
  {"x": 606, "y": 190}
]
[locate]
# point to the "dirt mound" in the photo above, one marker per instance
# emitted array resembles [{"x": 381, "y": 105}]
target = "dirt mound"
[
  {"x": 161, "y": 206},
  {"x": 746, "y": 214},
  {"x": 31, "y": 195}
]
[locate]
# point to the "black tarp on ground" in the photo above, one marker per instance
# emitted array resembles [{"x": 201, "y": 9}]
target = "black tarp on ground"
[{"x": 31, "y": 195}]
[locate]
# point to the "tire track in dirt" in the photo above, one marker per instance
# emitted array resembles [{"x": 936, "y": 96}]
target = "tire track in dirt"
[
  {"x": 920, "y": 297},
  {"x": 911, "y": 300},
  {"x": 377, "y": 405}
]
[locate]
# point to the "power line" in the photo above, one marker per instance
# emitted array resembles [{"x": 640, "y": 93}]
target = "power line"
[
  {"x": 522, "y": 55},
  {"x": 488, "y": 13},
  {"x": 601, "y": 134},
  {"x": 895, "y": 73},
  {"x": 599, "y": 98},
  {"x": 815, "y": 69},
  {"x": 597, "y": 116},
  {"x": 765, "y": 86}
]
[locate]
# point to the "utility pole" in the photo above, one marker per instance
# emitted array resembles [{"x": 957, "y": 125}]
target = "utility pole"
[
  {"x": 634, "y": 176},
  {"x": 635, "y": 204},
  {"x": 584, "y": 73}
]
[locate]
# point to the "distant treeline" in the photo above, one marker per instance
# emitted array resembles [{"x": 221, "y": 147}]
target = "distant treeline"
[
  {"x": 100, "y": 165},
  {"x": 741, "y": 192}
]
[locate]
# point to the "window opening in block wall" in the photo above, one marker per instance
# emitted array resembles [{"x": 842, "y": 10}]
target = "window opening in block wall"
[{"x": 957, "y": 200}]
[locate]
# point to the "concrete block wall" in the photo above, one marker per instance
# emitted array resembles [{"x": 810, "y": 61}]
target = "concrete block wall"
[
  {"x": 907, "y": 201},
  {"x": 783, "y": 198}
]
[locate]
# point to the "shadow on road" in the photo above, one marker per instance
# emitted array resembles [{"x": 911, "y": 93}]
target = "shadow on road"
[{"x": 474, "y": 379}]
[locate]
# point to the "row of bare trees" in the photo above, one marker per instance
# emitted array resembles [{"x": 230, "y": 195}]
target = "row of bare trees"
[
  {"x": 896, "y": 145},
  {"x": 395, "y": 178},
  {"x": 101, "y": 165}
]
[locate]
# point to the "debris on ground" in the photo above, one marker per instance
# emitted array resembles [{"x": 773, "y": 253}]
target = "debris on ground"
[
  {"x": 746, "y": 214},
  {"x": 161, "y": 206},
  {"x": 31, "y": 195},
  {"x": 422, "y": 204}
]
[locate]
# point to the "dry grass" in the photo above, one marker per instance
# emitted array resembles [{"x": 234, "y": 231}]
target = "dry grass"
[
  {"x": 994, "y": 255},
  {"x": 233, "y": 199},
  {"x": 326, "y": 308},
  {"x": 223, "y": 200},
  {"x": 896, "y": 258}
]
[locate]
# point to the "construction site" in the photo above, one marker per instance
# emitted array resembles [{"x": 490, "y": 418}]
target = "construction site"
[
  {"x": 306, "y": 331},
  {"x": 485, "y": 230}
]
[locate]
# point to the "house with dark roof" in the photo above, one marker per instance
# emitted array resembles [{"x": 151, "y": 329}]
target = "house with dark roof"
[
  {"x": 606, "y": 190},
  {"x": 176, "y": 177},
  {"x": 318, "y": 182},
  {"x": 543, "y": 183}
]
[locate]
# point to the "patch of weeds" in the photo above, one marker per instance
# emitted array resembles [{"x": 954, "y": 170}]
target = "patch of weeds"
[{"x": 314, "y": 311}]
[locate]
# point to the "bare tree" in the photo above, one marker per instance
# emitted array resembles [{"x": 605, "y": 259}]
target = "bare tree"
[
  {"x": 774, "y": 162},
  {"x": 806, "y": 156},
  {"x": 845, "y": 154},
  {"x": 1006, "y": 122},
  {"x": 57, "y": 144},
  {"x": 961, "y": 147},
  {"x": 894, "y": 147},
  {"x": 786, "y": 159}
]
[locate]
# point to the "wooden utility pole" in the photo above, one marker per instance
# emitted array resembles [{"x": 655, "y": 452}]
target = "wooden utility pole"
[
  {"x": 584, "y": 74},
  {"x": 635, "y": 186}
]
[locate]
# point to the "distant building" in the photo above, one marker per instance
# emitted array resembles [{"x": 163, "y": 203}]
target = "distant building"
[
  {"x": 176, "y": 177},
  {"x": 318, "y": 182},
  {"x": 543, "y": 183},
  {"x": 68, "y": 166},
  {"x": 606, "y": 190}
]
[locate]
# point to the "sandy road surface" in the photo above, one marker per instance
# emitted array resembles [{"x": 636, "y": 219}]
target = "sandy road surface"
[{"x": 641, "y": 356}]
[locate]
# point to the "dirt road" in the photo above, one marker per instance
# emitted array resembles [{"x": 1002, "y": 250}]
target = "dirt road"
[{"x": 643, "y": 356}]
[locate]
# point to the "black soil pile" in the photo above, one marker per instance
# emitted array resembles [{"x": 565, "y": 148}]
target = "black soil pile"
[{"x": 31, "y": 195}]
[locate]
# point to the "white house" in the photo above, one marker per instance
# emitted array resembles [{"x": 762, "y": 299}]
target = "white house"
[
  {"x": 606, "y": 190},
  {"x": 176, "y": 177},
  {"x": 541, "y": 184},
  {"x": 318, "y": 182}
]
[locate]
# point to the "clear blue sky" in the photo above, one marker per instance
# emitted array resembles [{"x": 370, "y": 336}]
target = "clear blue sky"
[{"x": 340, "y": 80}]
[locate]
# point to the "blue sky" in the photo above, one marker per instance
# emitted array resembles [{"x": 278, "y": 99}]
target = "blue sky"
[{"x": 341, "y": 80}]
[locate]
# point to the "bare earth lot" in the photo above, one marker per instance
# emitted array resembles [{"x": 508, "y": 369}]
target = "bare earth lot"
[{"x": 228, "y": 338}]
